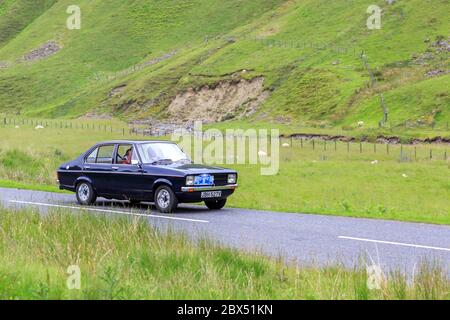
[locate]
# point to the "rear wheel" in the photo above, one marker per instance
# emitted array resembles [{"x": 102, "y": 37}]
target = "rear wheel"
[
  {"x": 165, "y": 199},
  {"x": 216, "y": 204},
  {"x": 85, "y": 194}
]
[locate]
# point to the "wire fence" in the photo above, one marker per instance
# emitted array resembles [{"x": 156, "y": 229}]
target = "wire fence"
[
  {"x": 404, "y": 152},
  {"x": 66, "y": 124}
]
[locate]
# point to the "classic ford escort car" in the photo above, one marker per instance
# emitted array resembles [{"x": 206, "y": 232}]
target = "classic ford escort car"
[{"x": 138, "y": 171}]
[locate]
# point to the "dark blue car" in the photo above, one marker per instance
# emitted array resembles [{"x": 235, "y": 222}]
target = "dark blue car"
[{"x": 138, "y": 171}]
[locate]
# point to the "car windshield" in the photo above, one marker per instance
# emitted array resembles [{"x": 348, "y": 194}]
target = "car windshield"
[{"x": 162, "y": 153}]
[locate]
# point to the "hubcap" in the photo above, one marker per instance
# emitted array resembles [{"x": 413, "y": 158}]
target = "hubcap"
[
  {"x": 83, "y": 192},
  {"x": 163, "y": 199}
]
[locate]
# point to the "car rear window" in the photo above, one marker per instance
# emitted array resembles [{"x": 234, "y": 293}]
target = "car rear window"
[
  {"x": 105, "y": 154},
  {"x": 92, "y": 158}
]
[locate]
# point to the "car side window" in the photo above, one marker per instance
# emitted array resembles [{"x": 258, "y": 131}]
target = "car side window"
[
  {"x": 105, "y": 154},
  {"x": 92, "y": 158},
  {"x": 126, "y": 154}
]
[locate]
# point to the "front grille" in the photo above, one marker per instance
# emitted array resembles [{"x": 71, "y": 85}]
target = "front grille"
[{"x": 220, "y": 179}]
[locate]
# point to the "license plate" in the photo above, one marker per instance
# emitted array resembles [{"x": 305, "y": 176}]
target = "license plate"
[
  {"x": 211, "y": 194},
  {"x": 204, "y": 180}
]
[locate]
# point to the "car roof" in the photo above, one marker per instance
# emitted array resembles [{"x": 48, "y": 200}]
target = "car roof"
[{"x": 133, "y": 142}]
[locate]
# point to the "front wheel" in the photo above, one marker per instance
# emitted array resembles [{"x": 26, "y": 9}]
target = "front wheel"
[
  {"x": 85, "y": 194},
  {"x": 216, "y": 204},
  {"x": 165, "y": 199}
]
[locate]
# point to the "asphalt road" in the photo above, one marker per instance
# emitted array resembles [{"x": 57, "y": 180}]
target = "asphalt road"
[{"x": 301, "y": 238}]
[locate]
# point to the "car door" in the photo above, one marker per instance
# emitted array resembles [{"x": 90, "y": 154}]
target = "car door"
[
  {"x": 98, "y": 168},
  {"x": 128, "y": 179}
]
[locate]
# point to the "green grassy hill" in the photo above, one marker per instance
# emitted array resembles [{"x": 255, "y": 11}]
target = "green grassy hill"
[
  {"x": 132, "y": 57},
  {"x": 17, "y": 15}
]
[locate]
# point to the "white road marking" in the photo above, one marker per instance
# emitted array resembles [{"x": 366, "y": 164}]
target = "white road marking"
[
  {"x": 395, "y": 243},
  {"x": 106, "y": 211}
]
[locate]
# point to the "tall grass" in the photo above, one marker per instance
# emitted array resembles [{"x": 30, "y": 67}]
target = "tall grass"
[{"x": 123, "y": 258}]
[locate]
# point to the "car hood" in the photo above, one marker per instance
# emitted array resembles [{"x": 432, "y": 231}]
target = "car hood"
[{"x": 186, "y": 169}]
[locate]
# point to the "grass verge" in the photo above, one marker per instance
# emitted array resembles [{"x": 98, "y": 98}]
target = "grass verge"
[
  {"x": 123, "y": 258},
  {"x": 29, "y": 186}
]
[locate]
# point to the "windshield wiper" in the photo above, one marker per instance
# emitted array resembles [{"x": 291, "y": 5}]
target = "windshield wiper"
[
  {"x": 183, "y": 161},
  {"x": 161, "y": 161}
]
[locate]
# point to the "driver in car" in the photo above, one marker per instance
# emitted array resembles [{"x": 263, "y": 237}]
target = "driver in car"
[{"x": 127, "y": 157}]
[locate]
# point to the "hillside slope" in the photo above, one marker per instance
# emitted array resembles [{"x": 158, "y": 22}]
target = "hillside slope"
[
  {"x": 15, "y": 16},
  {"x": 137, "y": 59}
]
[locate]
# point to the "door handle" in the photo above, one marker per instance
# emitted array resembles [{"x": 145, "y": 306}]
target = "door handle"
[
  {"x": 87, "y": 167},
  {"x": 115, "y": 168}
]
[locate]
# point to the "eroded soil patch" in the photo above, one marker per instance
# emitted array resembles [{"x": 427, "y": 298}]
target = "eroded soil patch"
[{"x": 230, "y": 99}]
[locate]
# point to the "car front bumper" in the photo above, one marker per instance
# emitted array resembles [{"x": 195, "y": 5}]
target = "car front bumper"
[
  {"x": 209, "y": 188},
  {"x": 194, "y": 194}
]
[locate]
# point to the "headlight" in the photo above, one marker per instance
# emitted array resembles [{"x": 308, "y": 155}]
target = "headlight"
[
  {"x": 232, "y": 178},
  {"x": 190, "y": 180}
]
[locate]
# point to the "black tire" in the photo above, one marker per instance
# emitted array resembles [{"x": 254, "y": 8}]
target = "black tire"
[
  {"x": 85, "y": 194},
  {"x": 216, "y": 204},
  {"x": 165, "y": 199}
]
